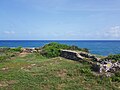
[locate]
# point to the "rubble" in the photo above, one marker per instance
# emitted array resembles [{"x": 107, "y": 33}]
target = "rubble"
[
  {"x": 108, "y": 66},
  {"x": 104, "y": 66},
  {"x": 31, "y": 50}
]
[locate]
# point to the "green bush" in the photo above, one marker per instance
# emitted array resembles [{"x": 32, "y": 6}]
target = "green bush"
[
  {"x": 116, "y": 77},
  {"x": 50, "y": 52},
  {"x": 53, "y": 49},
  {"x": 114, "y": 57},
  {"x": 77, "y": 48},
  {"x": 56, "y": 45},
  {"x": 17, "y": 49},
  {"x": 7, "y": 53}
]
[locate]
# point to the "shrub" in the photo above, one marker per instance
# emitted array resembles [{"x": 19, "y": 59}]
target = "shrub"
[
  {"x": 7, "y": 53},
  {"x": 114, "y": 57},
  {"x": 50, "y": 52},
  {"x": 17, "y": 49},
  {"x": 56, "y": 45},
  {"x": 116, "y": 77},
  {"x": 77, "y": 48}
]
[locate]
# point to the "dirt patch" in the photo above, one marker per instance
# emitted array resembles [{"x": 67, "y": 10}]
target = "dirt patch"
[
  {"x": 10, "y": 82},
  {"x": 62, "y": 73},
  {"x": 46, "y": 87},
  {"x": 3, "y": 84},
  {"x": 28, "y": 68},
  {"x": 60, "y": 86},
  {"x": 23, "y": 54},
  {"x": 35, "y": 74},
  {"x": 7, "y": 83}
]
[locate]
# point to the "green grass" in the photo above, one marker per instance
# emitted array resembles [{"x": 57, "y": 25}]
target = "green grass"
[{"x": 35, "y": 72}]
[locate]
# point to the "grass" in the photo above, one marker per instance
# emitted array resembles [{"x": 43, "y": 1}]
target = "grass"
[{"x": 35, "y": 72}]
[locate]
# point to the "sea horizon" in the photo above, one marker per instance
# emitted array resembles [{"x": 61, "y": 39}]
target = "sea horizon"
[{"x": 58, "y": 40}]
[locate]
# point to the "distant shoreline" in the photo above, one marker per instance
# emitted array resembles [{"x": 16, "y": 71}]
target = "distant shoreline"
[{"x": 100, "y": 47}]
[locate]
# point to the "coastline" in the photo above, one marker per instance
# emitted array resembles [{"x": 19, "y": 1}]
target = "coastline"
[{"x": 96, "y": 47}]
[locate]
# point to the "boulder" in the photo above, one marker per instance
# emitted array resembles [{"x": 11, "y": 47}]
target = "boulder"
[{"x": 70, "y": 55}]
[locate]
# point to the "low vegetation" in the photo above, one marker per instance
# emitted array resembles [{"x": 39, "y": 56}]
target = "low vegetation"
[
  {"x": 7, "y": 53},
  {"x": 18, "y": 49},
  {"x": 114, "y": 57},
  {"x": 35, "y": 72},
  {"x": 116, "y": 77}
]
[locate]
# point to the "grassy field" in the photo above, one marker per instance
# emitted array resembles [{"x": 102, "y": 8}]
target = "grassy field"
[{"x": 35, "y": 72}]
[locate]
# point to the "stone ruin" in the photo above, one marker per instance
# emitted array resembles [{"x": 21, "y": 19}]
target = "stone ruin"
[
  {"x": 75, "y": 55},
  {"x": 98, "y": 65},
  {"x": 101, "y": 66}
]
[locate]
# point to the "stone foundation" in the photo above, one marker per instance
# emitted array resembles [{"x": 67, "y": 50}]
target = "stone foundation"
[{"x": 104, "y": 66}]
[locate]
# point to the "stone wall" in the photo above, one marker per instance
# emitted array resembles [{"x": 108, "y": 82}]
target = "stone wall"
[
  {"x": 74, "y": 55},
  {"x": 104, "y": 66}
]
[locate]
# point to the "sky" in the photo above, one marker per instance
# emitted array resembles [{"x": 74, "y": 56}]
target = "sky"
[{"x": 59, "y": 19}]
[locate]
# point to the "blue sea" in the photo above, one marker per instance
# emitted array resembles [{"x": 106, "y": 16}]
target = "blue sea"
[{"x": 95, "y": 46}]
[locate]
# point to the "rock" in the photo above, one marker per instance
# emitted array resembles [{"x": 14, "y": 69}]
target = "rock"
[
  {"x": 88, "y": 55},
  {"x": 4, "y": 69},
  {"x": 38, "y": 49},
  {"x": 33, "y": 64},
  {"x": 74, "y": 55},
  {"x": 115, "y": 67},
  {"x": 31, "y": 50},
  {"x": 108, "y": 66},
  {"x": 70, "y": 55},
  {"x": 22, "y": 67},
  {"x": 108, "y": 74}
]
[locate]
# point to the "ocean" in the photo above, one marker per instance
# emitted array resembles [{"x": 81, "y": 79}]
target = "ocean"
[{"x": 99, "y": 47}]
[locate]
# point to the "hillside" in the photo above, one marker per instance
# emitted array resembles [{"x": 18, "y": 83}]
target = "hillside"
[{"x": 34, "y": 72}]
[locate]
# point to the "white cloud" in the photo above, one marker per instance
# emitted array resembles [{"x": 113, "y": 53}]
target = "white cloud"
[
  {"x": 113, "y": 32},
  {"x": 9, "y": 32}
]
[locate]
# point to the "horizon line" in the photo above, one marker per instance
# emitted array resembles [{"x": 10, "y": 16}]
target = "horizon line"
[{"x": 62, "y": 40}]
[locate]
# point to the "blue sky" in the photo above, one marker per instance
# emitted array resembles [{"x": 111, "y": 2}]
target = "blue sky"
[{"x": 59, "y": 19}]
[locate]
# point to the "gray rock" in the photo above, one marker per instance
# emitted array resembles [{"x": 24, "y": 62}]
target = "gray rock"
[
  {"x": 77, "y": 55},
  {"x": 108, "y": 66}
]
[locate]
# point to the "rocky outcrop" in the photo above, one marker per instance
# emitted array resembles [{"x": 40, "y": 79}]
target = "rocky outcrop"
[
  {"x": 27, "y": 50},
  {"x": 71, "y": 55},
  {"x": 31, "y": 50},
  {"x": 77, "y": 55}
]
